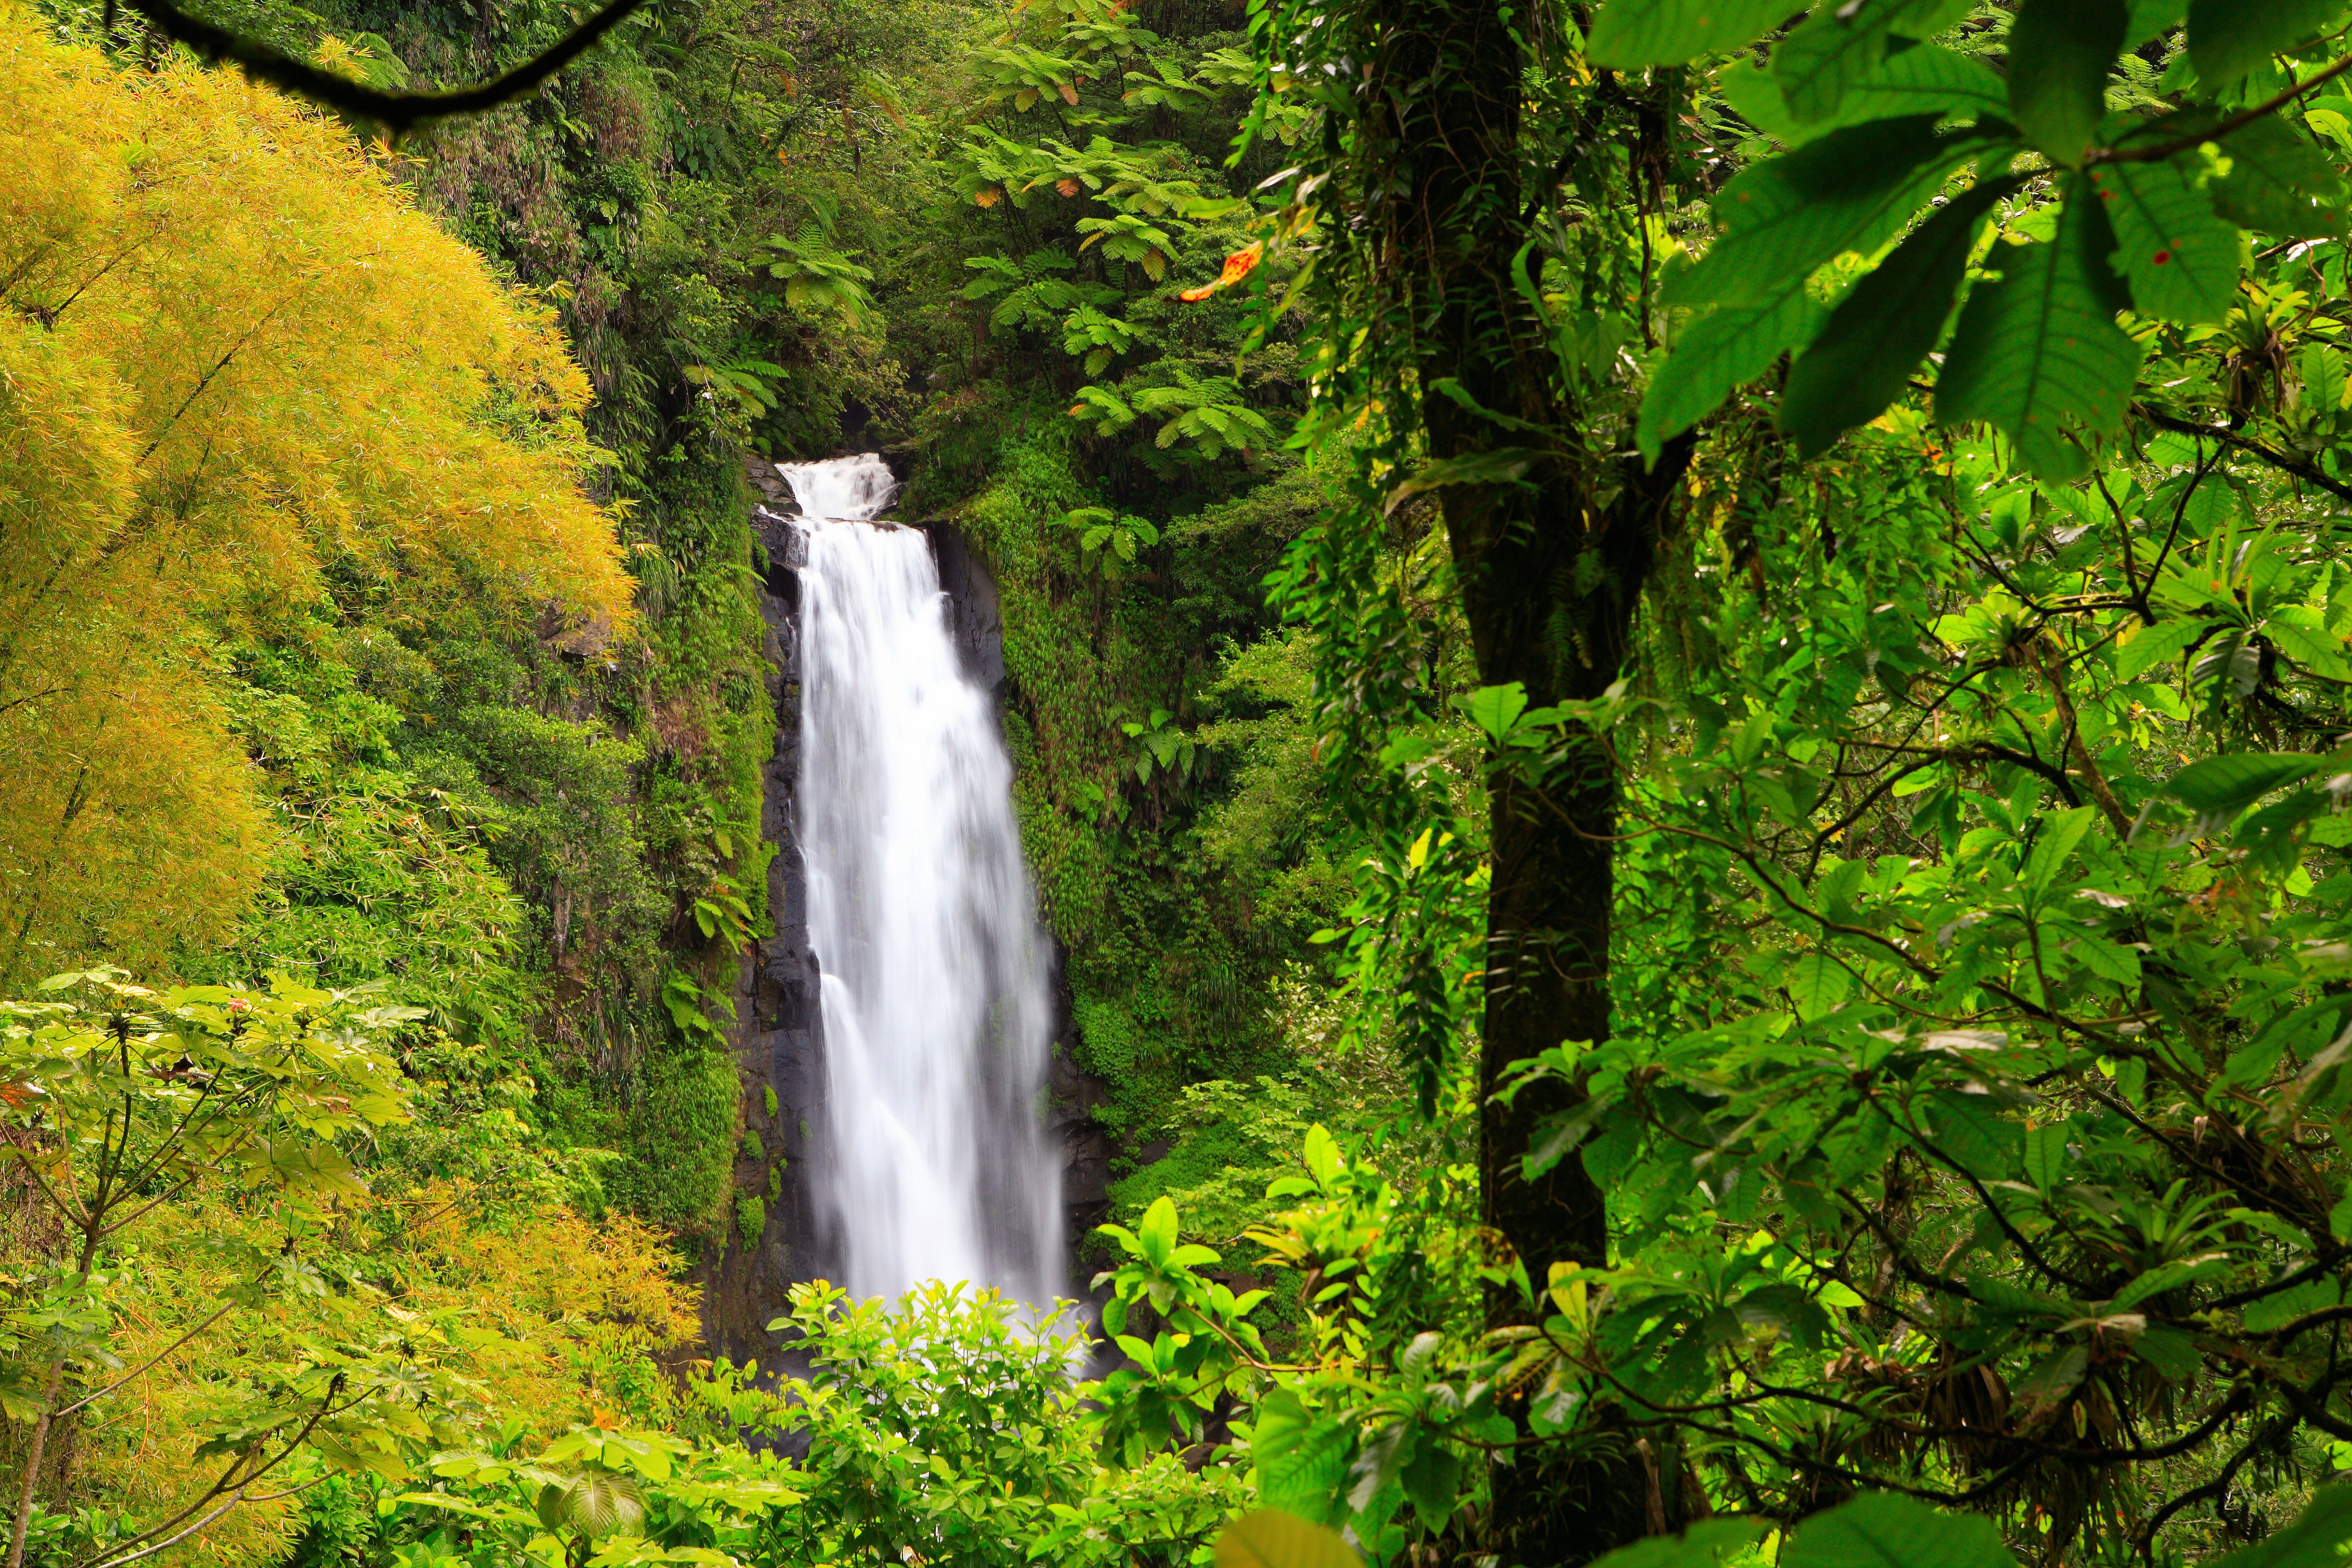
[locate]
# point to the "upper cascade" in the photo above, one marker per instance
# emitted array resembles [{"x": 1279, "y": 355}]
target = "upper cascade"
[{"x": 847, "y": 489}]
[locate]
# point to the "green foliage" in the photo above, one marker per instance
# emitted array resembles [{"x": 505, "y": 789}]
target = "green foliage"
[
  {"x": 607, "y": 1495},
  {"x": 817, "y": 275},
  {"x": 120, "y": 1098},
  {"x": 2036, "y": 352},
  {"x": 750, "y": 1220},
  {"x": 678, "y": 1128},
  {"x": 947, "y": 1424}
]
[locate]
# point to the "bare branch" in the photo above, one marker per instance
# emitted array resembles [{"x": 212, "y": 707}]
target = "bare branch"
[{"x": 396, "y": 111}]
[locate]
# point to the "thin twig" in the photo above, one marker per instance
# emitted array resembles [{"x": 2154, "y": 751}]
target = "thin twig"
[
  {"x": 143, "y": 1366},
  {"x": 2237, "y": 122}
]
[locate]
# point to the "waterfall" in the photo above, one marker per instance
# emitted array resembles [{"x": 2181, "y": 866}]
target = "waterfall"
[{"x": 936, "y": 994}]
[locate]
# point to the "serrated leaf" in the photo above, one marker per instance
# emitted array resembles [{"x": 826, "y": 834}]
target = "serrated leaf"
[
  {"x": 1301, "y": 1469},
  {"x": 2229, "y": 38},
  {"x": 2059, "y": 52},
  {"x": 1927, "y": 79},
  {"x": 2105, "y": 960},
  {"x": 2227, "y": 784},
  {"x": 1878, "y": 1529},
  {"x": 1848, "y": 191},
  {"x": 2180, "y": 257},
  {"x": 1886, "y": 325},
  {"x": 1837, "y": 45},
  {"x": 2039, "y": 350},
  {"x": 2279, "y": 183},
  {"x": 2156, "y": 645},
  {"x": 1635, "y": 33}
]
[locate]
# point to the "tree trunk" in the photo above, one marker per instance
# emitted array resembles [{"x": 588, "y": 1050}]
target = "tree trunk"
[{"x": 1550, "y": 582}]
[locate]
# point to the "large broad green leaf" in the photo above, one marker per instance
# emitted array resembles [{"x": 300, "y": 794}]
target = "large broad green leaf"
[
  {"x": 2181, "y": 258},
  {"x": 2303, "y": 635},
  {"x": 2152, "y": 645},
  {"x": 1851, "y": 190},
  {"x": 2225, "y": 785},
  {"x": 1635, "y": 33},
  {"x": 1157, "y": 1232},
  {"x": 1495, "y": 709},
  {"x": 2045, "y": 1155},
  {"x": 2149, "y": 18},
  {"x": 1433, "y": 1481},
  {"x": 1819, "y": 985},
  {"x": 2060, "y": 835},
  {"x": 1880, "y": 1530},
  {"x": 2038, "y": 349},
  {"x": 2280, "y": 183},
  {"x": 1926, "y": 78},
  {"x": 1837, "y": 45},
  {"x": 1885, "y": 327},
  {"x": 594, "y": 1502},
  {"x": 1848, "y": 191},
  {"x": 2059, "y": 52},
  {"x": 1728, "y": 347},
  {"x": 1269, "y": 1538},
  {"x": 2315, "y": 1540},
  {"x": 2228, "y": 38},
  {"x": 1301, "y": 1461},
  {"x": 1971, "y": 1132},
  {"x": 1704, "y": 1545}
]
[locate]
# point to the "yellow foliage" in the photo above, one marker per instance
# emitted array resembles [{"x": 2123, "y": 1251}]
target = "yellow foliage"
[
  {"x": 551, "y": 1318},
  {"x": 233, "y": 355}
]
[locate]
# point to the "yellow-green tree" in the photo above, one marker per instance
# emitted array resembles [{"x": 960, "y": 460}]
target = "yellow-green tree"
[{"x": 235, "y": 360}]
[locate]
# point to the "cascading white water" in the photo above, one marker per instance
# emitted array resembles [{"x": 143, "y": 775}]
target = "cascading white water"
[{"x": 935, "y": 995}]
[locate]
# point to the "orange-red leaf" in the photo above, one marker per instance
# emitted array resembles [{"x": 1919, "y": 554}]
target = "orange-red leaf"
[{"x": 1238, "y": 266}]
